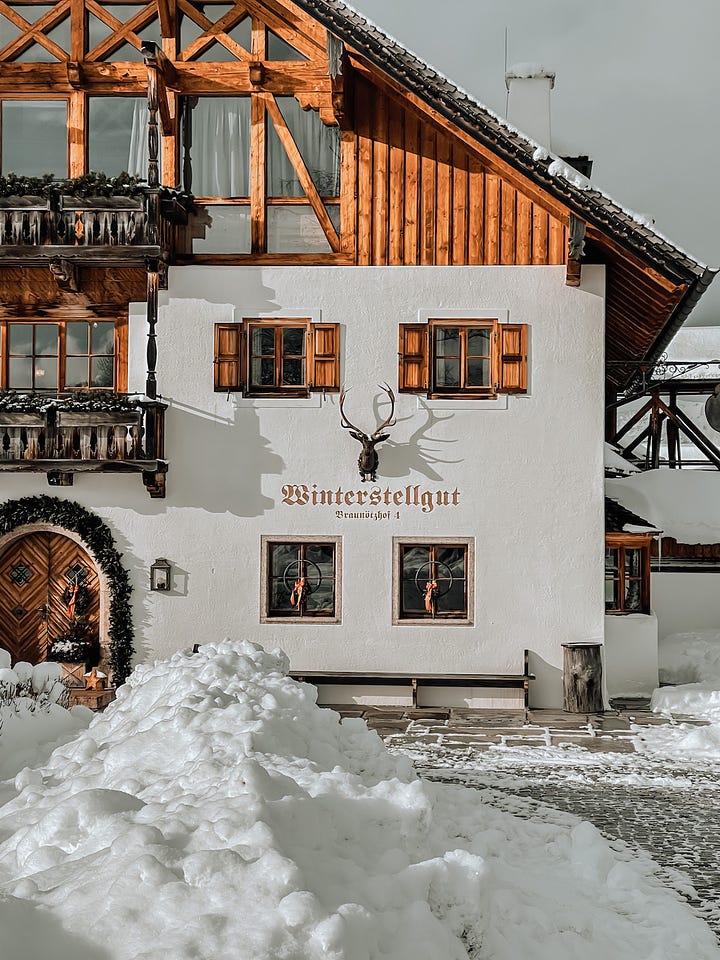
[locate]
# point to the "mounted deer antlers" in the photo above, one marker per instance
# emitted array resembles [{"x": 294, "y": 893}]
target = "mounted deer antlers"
[{"x": 368, "y": 459}]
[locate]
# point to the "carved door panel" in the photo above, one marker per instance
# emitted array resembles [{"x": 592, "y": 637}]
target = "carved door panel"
[{"x": 35, "y": 572}]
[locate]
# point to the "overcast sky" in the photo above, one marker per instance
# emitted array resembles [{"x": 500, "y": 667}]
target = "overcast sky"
[{"x": 637, "y": 88}]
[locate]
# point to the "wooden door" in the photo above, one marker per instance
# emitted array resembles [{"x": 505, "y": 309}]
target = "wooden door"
[{"x": 35, "y": 573}]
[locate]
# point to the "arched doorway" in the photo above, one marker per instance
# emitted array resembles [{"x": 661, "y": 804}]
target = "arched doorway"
[{"x": 49, "y": 589}]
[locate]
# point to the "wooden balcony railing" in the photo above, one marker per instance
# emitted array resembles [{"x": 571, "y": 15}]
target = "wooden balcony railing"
[
  {"x": 148, "y": 220},
  {"x": 61, "y": 442}
]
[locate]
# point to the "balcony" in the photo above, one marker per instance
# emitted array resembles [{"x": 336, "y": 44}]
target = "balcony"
[
  {"x": 90, "y": 218},
  {"x": 62, "y": 435}
]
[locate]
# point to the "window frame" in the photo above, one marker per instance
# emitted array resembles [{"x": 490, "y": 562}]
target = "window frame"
[
  {"x": 467, "y": 617},
  {"x": 269, "y": 540},
  {"x": 509, "y": 355},
  {"x": 40, "y": 97},
  {"x": 278, "y": 326},
  {"x": 120, "y": 356},
  {"x": 621, "y": 543},
  {"x": 232, "y": 357},
  {"x": 463, "y": 392}
]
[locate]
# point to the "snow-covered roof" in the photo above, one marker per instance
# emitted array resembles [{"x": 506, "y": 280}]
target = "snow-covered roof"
[
  {"x": 618, "y": 519},
  {"x": 475, "y": 118}
]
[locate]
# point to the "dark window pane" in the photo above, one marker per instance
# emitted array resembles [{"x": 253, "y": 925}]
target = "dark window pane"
[
  {"x": 611, "y": 561},
  {"x": 447, "y": 342},
  {"x": 281, "y": 555},
  {"x": 632, "y": 595},
  {"x": 413, "y": 599},
  {"x": 322, "y": 554},
  {"x": 294, "y": 341},
  {"x": 46, "y": 340},
  {"x": 76, "y": 338},
  {"x": 280, "y": 596},
  {"x": 413, "y": 559},
  {"x": 454, "y": 599},
  {"x": 447, "y": 373},
  {"x": 263, "y": 341},
  {"x": 103, "y": 337},
  {"x": 478, "y": 373},
  {"x": 632, "y": 563},
  {"x": 21, "y": 338},
  {"x": 293, "y": 373},
  {"x": 102, "y": 370},
  {"x": 34, "y": 137},
  {"x": 262, "y": 373},
  {"x": 322, "y": 598},
  {"x": 117, "y": 138},
  {"x": 452, "y": 558},
  {"x": 76, "y": 372},
  {"x": 478, "y": 342},
  {"x": 21, "y": 374}
]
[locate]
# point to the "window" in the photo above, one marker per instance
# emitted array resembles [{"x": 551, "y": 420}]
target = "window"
[
  {"x": 118, "y": 135},
  {"x": 277, "y": 357},
  {"x": 627, "y": 574},
  {"x": 433, "y": 580},
  {"x": 267, "y": 172},
  {"x": 33, "y": 137},
  {"x": 301, "y": 578},
  {"x": 67, "y": 355},
  {"x": 463, "y": 358}
]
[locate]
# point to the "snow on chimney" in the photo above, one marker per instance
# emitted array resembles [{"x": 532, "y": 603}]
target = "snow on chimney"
[{"x": 529, "y": 86}]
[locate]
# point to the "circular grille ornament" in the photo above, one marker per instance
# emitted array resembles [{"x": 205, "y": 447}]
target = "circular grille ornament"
[
  {"x": 301, "y": 568},
  {"x": 438, "y": 565},
  {"x": 712, "y": 409}
]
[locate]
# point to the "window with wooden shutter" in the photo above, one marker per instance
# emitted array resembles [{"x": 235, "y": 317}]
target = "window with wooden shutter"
[
  {"x": 325, "y": 340},
  {"x": 228, "y": 349},
  {"x": 413, "y": 374},
  {"x": 513, "y": 349},
  {"x": 463, "y": 358}
]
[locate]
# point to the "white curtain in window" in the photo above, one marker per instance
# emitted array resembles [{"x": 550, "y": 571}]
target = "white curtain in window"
[
  {"x": 319, "y": 146},
  {"x": 221, "y": 147},
  {"x": 138, "y": 153}
]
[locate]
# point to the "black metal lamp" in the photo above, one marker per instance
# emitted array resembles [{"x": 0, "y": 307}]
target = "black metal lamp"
[{"x": 160, "y": 574}]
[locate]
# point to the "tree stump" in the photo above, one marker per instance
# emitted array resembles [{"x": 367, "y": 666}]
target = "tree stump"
[{"x": 582, "y": 678}]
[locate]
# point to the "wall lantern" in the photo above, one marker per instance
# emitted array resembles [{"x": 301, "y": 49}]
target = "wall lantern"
[{"x": 160, "y": 574}]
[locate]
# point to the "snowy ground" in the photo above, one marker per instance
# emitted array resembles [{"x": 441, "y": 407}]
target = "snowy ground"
[{"x": 215, "y": 813}]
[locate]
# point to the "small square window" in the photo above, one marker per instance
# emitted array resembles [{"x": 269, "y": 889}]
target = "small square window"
[
  {"x": 300, "y": 579},
  {"x": 433, "y": 580}
]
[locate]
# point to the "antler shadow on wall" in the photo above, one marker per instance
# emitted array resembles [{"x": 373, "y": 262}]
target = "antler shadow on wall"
[{"x": 420, "y": 453}]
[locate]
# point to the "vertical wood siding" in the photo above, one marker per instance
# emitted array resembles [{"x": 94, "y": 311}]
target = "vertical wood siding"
[{"x": 424, "y": 198}]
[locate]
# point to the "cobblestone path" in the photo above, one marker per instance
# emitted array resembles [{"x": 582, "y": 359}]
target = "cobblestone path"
[{"x": 553, "y": 767}]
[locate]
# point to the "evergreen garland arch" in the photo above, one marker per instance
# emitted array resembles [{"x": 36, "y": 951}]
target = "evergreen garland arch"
[{"x": 97, "y": 538}]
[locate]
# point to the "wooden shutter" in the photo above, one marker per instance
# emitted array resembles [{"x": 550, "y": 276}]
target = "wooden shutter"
[
  {"x": 228, "y": 355},
  {"x": 413, "y": 370},
  {"x": 325, "y": 347},
  {"x": 513, "y": 344}
]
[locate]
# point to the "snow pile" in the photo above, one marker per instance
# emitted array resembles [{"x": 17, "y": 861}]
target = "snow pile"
[
  {"x": 692, "y": 661},
  {"x": 33, "y": 719},
  {"x": 214, "y": 811},
  {"x": 690, "y": 657}
]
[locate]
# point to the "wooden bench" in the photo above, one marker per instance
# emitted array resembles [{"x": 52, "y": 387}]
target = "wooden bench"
[{"x": 518, "y": 681}]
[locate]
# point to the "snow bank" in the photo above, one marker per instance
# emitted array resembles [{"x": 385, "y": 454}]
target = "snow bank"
[
  {"x": 690, "y": 657},
  {"x": 32, "y": 718},
  {"x": 214, "y": 811}
]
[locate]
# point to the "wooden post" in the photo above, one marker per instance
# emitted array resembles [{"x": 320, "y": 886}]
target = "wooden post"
[
  {"x": 582, "y": 678},
  {"x": 152, "y": 315}
]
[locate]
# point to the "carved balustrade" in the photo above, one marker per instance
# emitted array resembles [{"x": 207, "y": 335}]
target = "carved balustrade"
[
  {"x": 90, "y": 222},
  {"x": 64, "y": 437}
]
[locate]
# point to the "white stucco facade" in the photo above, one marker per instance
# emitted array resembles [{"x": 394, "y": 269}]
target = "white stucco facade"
[{"x": 521, "y": 476}]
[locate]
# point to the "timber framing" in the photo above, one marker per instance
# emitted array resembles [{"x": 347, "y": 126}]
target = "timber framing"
[{"x": 427, "y": 174}]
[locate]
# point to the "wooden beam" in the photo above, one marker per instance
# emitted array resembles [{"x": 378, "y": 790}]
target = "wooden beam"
[
  {"x": 214, "y": 32},
  {"x": 258, "y": 175},
  {"x": 298, "y": 163},
  {"x": 576, "y": 251},
  {"x": 33, "y": 32},
  {"x": 167, "y": 14}
]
